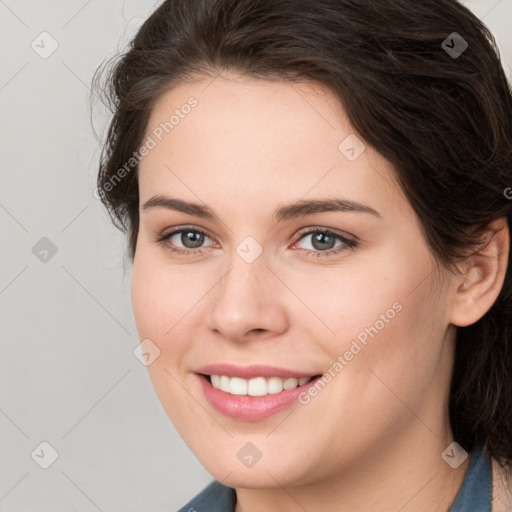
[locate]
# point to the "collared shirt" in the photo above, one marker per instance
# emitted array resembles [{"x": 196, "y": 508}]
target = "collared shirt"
[{"x": 475, "y": 494}]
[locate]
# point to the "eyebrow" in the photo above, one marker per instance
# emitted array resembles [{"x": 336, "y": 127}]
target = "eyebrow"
[{"x": 291, "y": 211}]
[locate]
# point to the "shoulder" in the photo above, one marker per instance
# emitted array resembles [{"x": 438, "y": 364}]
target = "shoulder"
[
  {"x": 215, "y": 498},
  {"x": 501, "y": 488}
]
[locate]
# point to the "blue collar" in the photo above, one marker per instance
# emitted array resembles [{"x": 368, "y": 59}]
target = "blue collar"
[
  {"x": 475, "y": 495},
  {"x": 214, "y": 498}
]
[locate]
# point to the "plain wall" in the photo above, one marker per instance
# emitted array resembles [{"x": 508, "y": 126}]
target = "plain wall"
[{"x": 68, "y": 375}]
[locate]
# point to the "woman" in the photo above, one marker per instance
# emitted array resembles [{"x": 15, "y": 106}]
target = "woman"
[{"x": 317, "y": 202}]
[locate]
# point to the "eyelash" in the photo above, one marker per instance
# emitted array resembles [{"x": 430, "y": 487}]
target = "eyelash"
[{"x": 163, "y": 240}]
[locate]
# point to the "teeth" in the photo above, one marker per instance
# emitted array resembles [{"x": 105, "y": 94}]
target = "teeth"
[
  {"x": 274, "y": 385},
  {"x": 215, "y": 381},
  {"x": 238, "y": 386},
  {"x": 224, "y": 384},
  {"x": 259, "y": 386},
  {"x": 290, "y": 383}
]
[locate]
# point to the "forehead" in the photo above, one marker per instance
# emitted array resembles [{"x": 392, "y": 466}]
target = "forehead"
[
  {"x": 250, "y": 137},
  {"x": 238, "y": 106}
]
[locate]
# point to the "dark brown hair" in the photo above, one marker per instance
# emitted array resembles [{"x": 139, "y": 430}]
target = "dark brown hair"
[{"x": 443, "y": 119}]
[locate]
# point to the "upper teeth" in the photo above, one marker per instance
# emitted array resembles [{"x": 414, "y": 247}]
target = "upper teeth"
[{"x": 258, "y": 386}]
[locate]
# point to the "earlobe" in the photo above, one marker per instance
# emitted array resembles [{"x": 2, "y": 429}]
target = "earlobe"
[{"x": 481, "y": 280}]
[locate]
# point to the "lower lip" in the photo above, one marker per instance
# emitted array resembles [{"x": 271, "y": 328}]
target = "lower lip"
[{"x": 252, "y": 408}]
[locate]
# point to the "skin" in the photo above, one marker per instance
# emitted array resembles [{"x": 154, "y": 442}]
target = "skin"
[{"x": 372, "y": 438}]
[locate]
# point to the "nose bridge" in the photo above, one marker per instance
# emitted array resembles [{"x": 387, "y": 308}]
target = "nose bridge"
[
  {"x": 243, "y": 285},
  {"x": 245, "y": 299},
  {"x": 247, "y": 273}
]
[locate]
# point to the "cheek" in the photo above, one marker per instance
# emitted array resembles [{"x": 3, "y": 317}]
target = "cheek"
[
  {"x": 383, "y": 315},
  {"x": 390, "y": 352},
  {"x": 162, "y": 298},
  {"x": 344, "y": 303}
]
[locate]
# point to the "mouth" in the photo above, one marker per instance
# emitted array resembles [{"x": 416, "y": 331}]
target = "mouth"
[{"x": 255, "y": 398}]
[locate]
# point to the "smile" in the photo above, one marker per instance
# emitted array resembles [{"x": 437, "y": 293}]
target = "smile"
[
  {"x": 259, "y": 386},
  {"x": 252, "y": 393}
]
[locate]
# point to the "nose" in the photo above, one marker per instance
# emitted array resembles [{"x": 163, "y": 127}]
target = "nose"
[{"x": 248, "y": 302}]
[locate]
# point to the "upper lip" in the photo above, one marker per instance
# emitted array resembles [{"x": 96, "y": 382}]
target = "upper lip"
[{"x": 249, "y": 372}]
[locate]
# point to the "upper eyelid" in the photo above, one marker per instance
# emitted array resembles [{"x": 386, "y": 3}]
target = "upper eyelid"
[{"x": 314, "y": 229}]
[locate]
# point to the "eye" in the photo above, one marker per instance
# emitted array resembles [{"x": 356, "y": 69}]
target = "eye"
[
  {"x": 189, "y": 242},
  {"x": 325, "y": 242},
  {"x": 184, "y": 241}
]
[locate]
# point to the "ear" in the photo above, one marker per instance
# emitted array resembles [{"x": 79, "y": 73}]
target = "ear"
[{"x": 482, "y": 276}]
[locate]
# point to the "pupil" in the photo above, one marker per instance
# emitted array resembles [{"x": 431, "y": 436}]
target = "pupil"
[
  {"x": 319, "y": 241},
  {"x": 192, "y": 239}
]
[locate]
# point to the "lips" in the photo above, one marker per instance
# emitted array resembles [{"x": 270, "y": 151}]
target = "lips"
[
  {"x": 240, "y": 403},
  {"x": 252, "y": 371}
]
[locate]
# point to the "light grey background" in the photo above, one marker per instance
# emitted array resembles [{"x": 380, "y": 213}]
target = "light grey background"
[{"x": 68, "y": 373}]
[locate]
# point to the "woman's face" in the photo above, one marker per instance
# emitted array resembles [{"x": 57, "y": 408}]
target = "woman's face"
[{"x": 246, "y": 283}]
